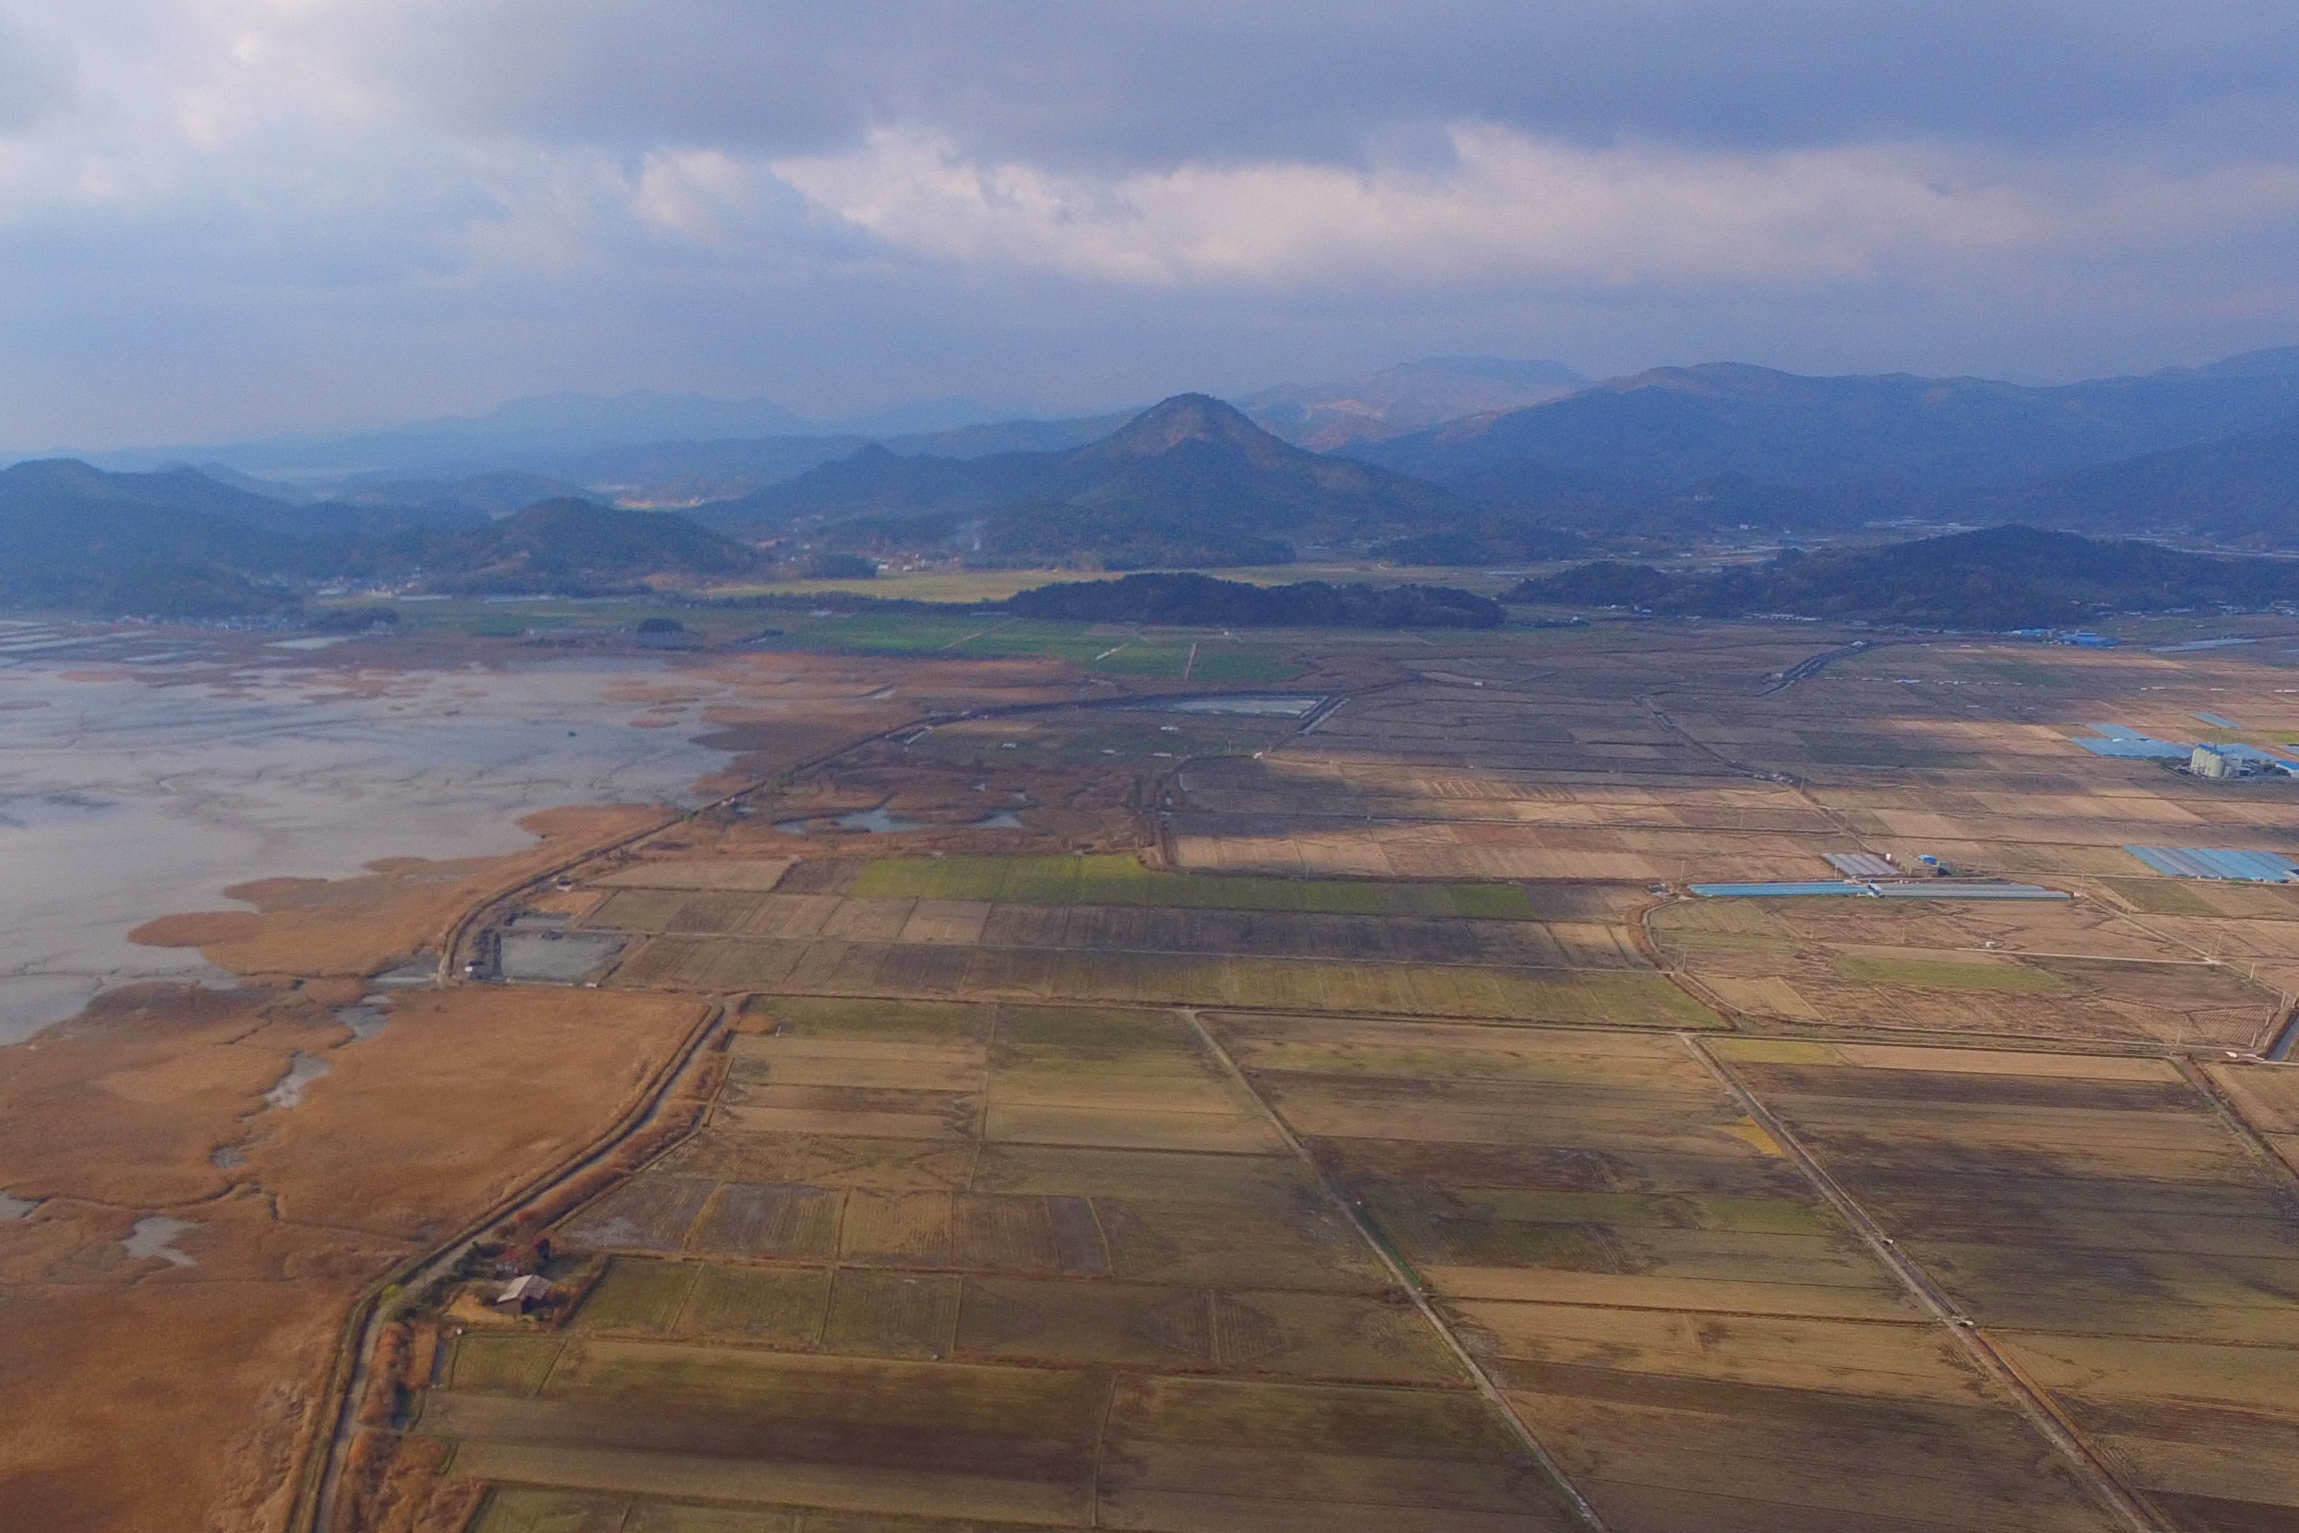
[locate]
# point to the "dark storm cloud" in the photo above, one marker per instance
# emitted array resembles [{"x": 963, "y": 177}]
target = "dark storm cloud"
[{"x": 1075, "y": 84}]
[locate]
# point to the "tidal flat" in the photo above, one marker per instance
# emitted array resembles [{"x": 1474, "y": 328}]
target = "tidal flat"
[{"x": 130, "y": 791}]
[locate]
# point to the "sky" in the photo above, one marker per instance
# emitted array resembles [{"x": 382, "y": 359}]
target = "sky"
[{"x": 225, "y": 218}]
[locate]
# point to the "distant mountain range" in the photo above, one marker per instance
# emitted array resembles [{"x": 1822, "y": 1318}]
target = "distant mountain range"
[
  {"x": 1190, "y": 482},
  {"x": 2204, "y": 455},
  {"x": 678, "y": 449},
  {"x": 181, "y": 545},
  {"x": 1997, "y": 579},
  {"x": 2243, "y": 489},
  {"x": 1409, "y": 397},
  {"x": 1691, "y": 448},
  {"x": 1667, "y": 453},
  {"x": 542, "y": 432}
]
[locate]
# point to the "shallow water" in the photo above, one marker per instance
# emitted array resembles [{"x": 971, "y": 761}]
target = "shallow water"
[
  {"x": 413, "y": 974},
  {"x": 155, "y": 1235},
  {"x": 555, "y": 958},
  {"x": 366, "y": 1019},
  {"x": 878, "y": 822},
  {"x": 302, "y": 1070},
  {"x": 131, "y": 792},
  {"x": 1269, "y": 707},
  {"x": 16, "y": 1208}
]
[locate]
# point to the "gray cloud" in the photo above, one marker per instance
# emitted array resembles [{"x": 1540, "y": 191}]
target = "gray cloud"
[
  {"x": 1085, "y": 84},
  {"x": 37, "y": 77},
  {"x": 225, "y": 216}
]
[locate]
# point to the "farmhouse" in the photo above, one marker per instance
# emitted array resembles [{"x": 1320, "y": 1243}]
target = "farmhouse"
[{"x": 522, "y": 1294}]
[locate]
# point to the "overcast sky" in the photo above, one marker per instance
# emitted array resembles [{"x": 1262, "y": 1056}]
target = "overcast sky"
[{"x": 224, "y": 217}]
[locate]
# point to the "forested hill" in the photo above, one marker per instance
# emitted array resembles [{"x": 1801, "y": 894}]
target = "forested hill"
[
  {"x": 1191, "y": 481},
  {"x": 180, "y": 545},
  {"x": 2000, "y": 578},
  {"x": 1200, "y": 600}
]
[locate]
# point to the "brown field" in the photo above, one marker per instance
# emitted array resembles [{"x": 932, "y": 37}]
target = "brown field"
[
  {"x": 2083, "y": 970},
  {"x": 923, "y": 1158},
  {"x": 2105, "y": 1227},
  {"x": 1194, "y": 1124},
  {"x": 1091, "y": 1284},
  {"x": 836, "y": 967},
  {"x": 1665, "y": 1300}
]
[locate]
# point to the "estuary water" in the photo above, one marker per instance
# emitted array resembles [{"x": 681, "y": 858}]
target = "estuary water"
[{"x": 130, "y": 790}]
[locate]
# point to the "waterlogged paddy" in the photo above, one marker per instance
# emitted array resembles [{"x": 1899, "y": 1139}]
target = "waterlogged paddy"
[
  {"x": 155, "y": 1235},
  {"x": 135, "y": 791}
]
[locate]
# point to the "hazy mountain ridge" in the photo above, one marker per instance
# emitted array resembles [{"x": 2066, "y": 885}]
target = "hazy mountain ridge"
[
  {"x": 2241, "y": 489},
  {"x": 681, "y": 448},
  {"x": 1666, "y": 452},
  {"x": 1667, "y": 428},
  {"x": 572, "y": 546},
  {"x": 178, "y": 544},
  {"x": 1657, "y": 448},
  {"x": 1404, "y": 398},
  {"x": 174, "y": 543},
  {"x": 538, "y": 433},
  {"x": 1194, "y": 482},
  {"x": 1191, "y": 476}
]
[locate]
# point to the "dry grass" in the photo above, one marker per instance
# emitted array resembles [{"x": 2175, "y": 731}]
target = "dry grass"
[{"x": 356, "y": 926}]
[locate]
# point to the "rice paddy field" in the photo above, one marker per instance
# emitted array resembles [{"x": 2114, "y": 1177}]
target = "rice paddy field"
[
  {"x": 982, "y": 1263},
  {"x": 1346, "y": 1118},
  {"x": 2129, "y": 1249}
]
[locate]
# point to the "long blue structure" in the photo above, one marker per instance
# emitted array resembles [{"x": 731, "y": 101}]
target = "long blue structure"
[
  {"x": 2129, "y": 744},
  {"x": 1913, "y": 889},
  {"x": 2228, "y": 864}
]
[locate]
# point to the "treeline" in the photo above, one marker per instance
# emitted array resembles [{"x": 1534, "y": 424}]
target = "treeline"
[{"x": 2000, "y": 578}]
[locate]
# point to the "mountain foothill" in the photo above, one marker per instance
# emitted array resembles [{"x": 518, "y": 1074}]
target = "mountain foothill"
[{"x": 1460, "y": 462}]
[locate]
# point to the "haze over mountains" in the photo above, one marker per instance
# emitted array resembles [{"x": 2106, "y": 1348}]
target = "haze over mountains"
[
  {"x": 682, "y": 449},
  {"x": 1192, "y": 481},
  {"x": 2209, "y": 455},
  {"x": 1727, "y": 442},
  {"x": 1666, "y": 451},
  {"x": 1408, "y": 397},
  {"x": 177, "y": 544}
]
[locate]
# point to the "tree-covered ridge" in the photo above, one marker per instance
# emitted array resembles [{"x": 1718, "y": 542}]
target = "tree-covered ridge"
[
  {"x": 1201, "y": 600},
  {"x": 2003, "y": 577}
]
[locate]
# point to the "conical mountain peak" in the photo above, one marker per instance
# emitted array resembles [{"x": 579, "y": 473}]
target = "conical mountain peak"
[{"x": 1188, "y": 418}]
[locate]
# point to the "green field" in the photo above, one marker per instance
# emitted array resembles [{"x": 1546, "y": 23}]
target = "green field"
[
  {"x": 1115, "y": 650},
  {"x": 1163, "y": 654},
  {"x": 570, "y": 618},
  {"x": 1124, "y": 881},
  {"x": 895, "y": 632},
  {"x": 1949, "y": 975}
]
